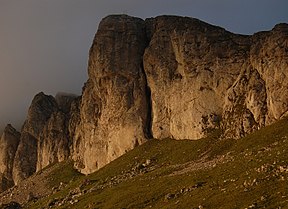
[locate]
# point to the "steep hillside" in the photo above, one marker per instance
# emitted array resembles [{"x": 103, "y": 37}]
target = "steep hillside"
[{"x": 248, "y": 173}]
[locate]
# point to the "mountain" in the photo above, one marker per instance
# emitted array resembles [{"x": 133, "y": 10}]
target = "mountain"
[{"x": 164, "y": 77}]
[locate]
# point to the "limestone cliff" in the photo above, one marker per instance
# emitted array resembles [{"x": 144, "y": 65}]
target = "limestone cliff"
[
  {"x": 168, "y": 76},
  {"x": 39, "y": 113},
  {"x": 189, "y": 66},
  {"x": 259, "y": 95},
  {"x": 9, "y": 142},
  {"x": 202, "y": 77},
  {"x": 54, "y": 141},
  {"x": 176, "y": 77},
  {"x": 44, "y": 135},
  {"x": 114, "y": 107}
]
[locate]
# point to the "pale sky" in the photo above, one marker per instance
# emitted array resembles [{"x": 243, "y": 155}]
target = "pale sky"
[{"x": 44, "y": 44}]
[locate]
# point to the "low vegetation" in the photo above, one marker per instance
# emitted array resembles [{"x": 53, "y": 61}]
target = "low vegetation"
[{"x": 210, "y": 173}]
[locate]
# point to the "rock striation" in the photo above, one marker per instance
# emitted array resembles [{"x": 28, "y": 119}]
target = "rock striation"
[{"x": 164, "y": 77}]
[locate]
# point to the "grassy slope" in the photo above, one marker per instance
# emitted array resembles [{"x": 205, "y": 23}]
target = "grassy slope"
[{"x": 247, "y": 173}]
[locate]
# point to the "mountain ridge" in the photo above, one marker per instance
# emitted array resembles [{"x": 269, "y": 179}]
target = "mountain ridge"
[{"x": 165, "y": 77}]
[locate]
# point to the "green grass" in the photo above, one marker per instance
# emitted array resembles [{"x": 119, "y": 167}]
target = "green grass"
[
  {"x": 251, "y": 174},
  {"x": 63, "y": 173}
]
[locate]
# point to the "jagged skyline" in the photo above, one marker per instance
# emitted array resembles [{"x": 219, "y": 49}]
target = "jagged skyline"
[{"x": 44, "y": 45}]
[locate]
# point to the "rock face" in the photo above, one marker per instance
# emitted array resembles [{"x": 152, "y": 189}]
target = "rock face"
[
  {"x": 259, "y": 95},
  {"x": 168, "y": 76},
  {"x": 74, "y": 118},
  {"x": 54, "y": 141},
  {"x": 203, "y": 78},
  {"x": 44, "y": 136},
  {"x": 199, "y": 78},
  {"x": 189, "y": 66},
  {"x": 113, "y": 112},
  {"x": 26, "y": 156},
  {"x": 8, "y": 147}
]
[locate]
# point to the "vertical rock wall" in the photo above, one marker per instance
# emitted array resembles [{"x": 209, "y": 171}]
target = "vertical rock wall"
[
  {"x": 199, "y": 78},
  {"x": 259, "y": 95},
  {"x": 113, "y": 109},
  {"x": 55, "y": 141},
  {"x": 39, "y": 113},
  {"x": 44, "y": 136},
  {"x": 189, "y": 66},
  {"x": 9, "y": 142},
  {"x": 269, "y": 55}
]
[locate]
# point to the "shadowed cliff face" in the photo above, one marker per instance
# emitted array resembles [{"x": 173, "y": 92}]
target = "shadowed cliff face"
[
  {"x": 44, "y": 136},
  {"x": 163, "y": 77},
  {"x": 9, "y": 142},
  {"x": 39, "y": 113}
]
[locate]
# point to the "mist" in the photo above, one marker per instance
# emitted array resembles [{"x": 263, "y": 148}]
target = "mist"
[{"x": 44, "y": 44}]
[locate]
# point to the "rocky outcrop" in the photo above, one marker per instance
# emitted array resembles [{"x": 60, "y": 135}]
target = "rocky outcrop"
[
  {"x": 9, "y": 142},
  {"x": 113, "y": 112},
  {"x": 39, "y": 113},
  {"x": 203, "y": 78},
  {"x": 165, "y": 77},
  {"x": 44, "y": 137},
  {"x": 54, "y": 141},
  {"x": 199, "y": 78},
  {"x": 259, "y": 95},
  {"x": 189, "y": 66}
]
